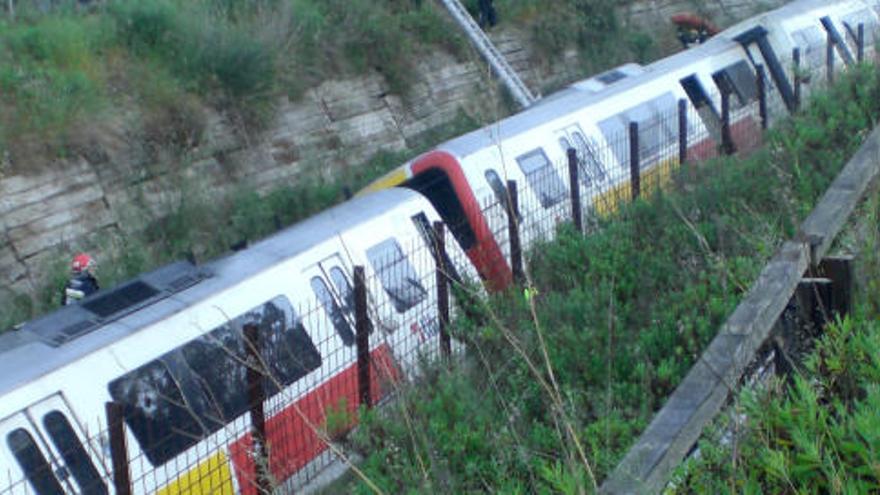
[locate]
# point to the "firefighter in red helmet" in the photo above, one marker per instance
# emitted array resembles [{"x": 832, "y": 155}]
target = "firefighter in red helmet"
[{"x": 82, "y": 281}]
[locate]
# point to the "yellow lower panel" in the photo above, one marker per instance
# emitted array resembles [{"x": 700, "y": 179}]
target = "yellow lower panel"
[
  {"x": 211, "y": 477},
  {"x": 659, "y": 176}
]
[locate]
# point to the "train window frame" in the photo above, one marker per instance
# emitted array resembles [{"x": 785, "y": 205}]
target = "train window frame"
[
  {"x": 852, "y": 20},
  {"x": 386, "y": 267},
  {"x": 334, "y": 311},
  {"x": 595, "y": 170},
  {"x": 74, "y": 454},
  {"x": 738, "y": 78},
  {"x": 542, "y": 178},
  {"x": 41, "y": 477},
  {"x": 812, "y": 46}
]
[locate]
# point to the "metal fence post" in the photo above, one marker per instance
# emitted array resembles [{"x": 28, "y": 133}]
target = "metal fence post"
[
  {"x": 635, "y": 173},
  {"x": 576, "y": 213},
  {"x": 516, "y": 261},
  {"x": 829, "y": 59},
  {"x": 796, "y": 61},
  {"x": 362, "y": 329},
  {"x": 860, "y": 43},
  {"x": 727, "y": 146},
  {"x": 256, "y": 396},
  {"x": 442, "y": 290},
  {"x": 682, "y": 131},
  {"x": 761, "y": 81},
  {"x": 118, "y": 449}
]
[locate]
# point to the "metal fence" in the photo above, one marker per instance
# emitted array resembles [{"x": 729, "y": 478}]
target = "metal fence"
[{"x": 280, "y": 435}]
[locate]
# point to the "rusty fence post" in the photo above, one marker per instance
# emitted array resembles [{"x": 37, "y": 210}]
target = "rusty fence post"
[
  {"x": 118, "y": 448},
  {"x": 761, "y": 82},
  {"x": 796, "y": 62},
  {"x": 635, "y": 172},
  {"x": 256, "y": 396},
  {"x": 362, "y": 330},
  {"x": 829, "y": 59},
  {"x": 576, "y": 212},
  {"x": 682, "y": 131},
  {"x": 442, "y": 289},
  {"x": 516, "y": 261},
  {"x": 860, "y": 43}
]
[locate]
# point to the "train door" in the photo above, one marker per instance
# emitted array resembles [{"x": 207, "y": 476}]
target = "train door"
[
  {"x": 591, "y": 171},
  {"x": 402, "y": 275},
  {"x": 496, "y": 211},
  {"x": 332, "y": 287},
  {"x": 46, "y": 445}
]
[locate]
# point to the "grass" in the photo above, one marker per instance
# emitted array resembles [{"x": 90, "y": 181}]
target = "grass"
[
  {"x": 64, "y": 70},
  {"x": 555, "y": 389}
]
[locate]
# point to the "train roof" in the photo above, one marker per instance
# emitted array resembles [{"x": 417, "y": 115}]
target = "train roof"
[
  {"x": 575, "y": 98},
  {"x": 71, "y": 332}
]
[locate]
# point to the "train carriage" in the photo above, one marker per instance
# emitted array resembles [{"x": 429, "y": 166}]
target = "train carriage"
[
  {"x": 170, "y": 348},
  {"x": 465, "y": 177}
]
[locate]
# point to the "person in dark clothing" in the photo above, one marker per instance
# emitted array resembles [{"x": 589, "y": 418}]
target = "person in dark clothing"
[
  {"x": 488, "y": 16},
  {"x": 82, "y": 282}
]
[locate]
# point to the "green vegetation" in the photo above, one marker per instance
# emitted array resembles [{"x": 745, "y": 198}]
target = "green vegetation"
[
  {"x": 555, "y": 389},
  {"x": 818, "y": 433},
  {"x": 64, "y": 70}
]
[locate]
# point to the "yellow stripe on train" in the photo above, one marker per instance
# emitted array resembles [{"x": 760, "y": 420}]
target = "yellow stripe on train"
[
  {"x": 608, "y": 201},
  {"x": 211, "y": 477},
  {"x": 391, "y": 179}
]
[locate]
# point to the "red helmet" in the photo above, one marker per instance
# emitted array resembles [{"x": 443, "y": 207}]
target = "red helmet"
[{"x": 82, "y": 262}]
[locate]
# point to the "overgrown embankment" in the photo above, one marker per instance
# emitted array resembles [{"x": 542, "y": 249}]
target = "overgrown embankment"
[
  {"x": 556, "y": 387},
  {"x": 817, "y": 433}
]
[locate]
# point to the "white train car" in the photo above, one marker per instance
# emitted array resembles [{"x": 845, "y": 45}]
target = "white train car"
[
  {"x": 464, "y": 178},
  {"x": 807, "y": 25},
  {"x": 169, "y": 347}
]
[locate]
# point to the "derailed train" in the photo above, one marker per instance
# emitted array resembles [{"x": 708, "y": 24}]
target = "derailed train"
[{"x": 169, "y": 346}]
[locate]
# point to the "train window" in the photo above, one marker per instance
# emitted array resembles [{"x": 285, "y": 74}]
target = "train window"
[
  {"x": 75, "y": 457},
  {"x": 812, "y": 42},
  {"x": 219, "y": 360},
  {"x": 852, "y": 21},
  {"x": 738, "y": 79},
  {"x": 542, "y": 178},
  {"x": 34, "y": 464},
  {"x": 564, "y": 144},
  {"x": 343, "y": 288},
  {"x": 397, "y": 275},
  {"x": 497, "y": 186},
  {"x": 172, "y": 402},
  {"x": 337, "y": 317},
  {"x": 156, "y": 411},
  {"x": 590, "y": 165}
]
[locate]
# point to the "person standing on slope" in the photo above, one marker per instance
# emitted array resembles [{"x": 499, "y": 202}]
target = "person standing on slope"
[{"x": 82, "y": 282}]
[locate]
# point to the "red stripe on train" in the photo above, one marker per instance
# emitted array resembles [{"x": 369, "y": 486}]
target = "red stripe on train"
[{"x": 292, "y": 442}]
